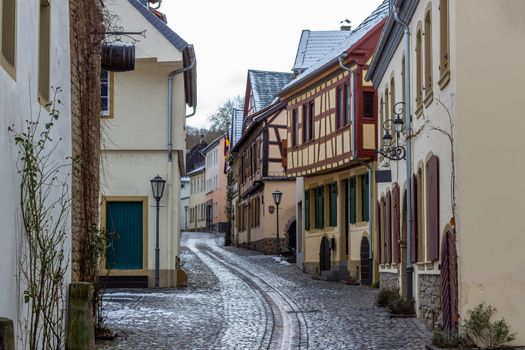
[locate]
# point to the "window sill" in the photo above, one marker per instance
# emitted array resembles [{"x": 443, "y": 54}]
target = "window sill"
[
  {"x": 9, "y": 68},
  {"x": 45, "y": 103},
  {"x": 429, "y": 98},
  {"x": 419, "y": 110},
  {"x": 444, "y": 79}
]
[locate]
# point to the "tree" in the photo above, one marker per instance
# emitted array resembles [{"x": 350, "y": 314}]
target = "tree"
[{"x": 220, "y": 119}]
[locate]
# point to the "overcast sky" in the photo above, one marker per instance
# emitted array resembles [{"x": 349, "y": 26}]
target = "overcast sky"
[{"x": 232, "y": 36}]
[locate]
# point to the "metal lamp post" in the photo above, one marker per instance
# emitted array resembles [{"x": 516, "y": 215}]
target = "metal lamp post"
[
  {"x": 277, "y": 195},
  {"x": 157, "y": 187}
]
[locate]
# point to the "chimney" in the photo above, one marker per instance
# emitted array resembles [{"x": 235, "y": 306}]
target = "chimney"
[
  {"x": 345, "y": 25},
  {"x": 202, "y": 139}
]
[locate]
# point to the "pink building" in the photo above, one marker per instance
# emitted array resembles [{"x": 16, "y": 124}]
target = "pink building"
[{"x": 216, "y": 186}]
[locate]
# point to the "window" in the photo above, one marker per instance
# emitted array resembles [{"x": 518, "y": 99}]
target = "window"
[
  {"x": 307, "y": 210},
  {"x": 311, "y": 113},
  {"x": 348, "y": 108},
  {"x": 105, "y": 95},
  {"x": 365, "y": 205},
  {"x": 428, "y": 57},
  {"x": 352, "y": 200},
  {"x": 419, "y": 73},
  {"x": 387, "y": 103},
  {"x": 368, "y": 104},
  {"x": 340, "y": 108},
  {"x": 444, "y": 46},
  {"x": 333, "y": 204},
  {"x": 44, "y": 52},
  {"x": 8, "y": 35},
  {"x": 308, "y": 121},
  {"x": 295, "y": 127},
  {"x": 392, "y": 96},
  {"x": 319, "y": 207}
]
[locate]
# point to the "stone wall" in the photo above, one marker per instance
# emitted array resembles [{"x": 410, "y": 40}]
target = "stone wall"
[
  {"x": 266, "y": 245},
  {"x": 429, "y": 300},
  {"x": 85, "y": 21},
  {"x": 388, "y": 280}
]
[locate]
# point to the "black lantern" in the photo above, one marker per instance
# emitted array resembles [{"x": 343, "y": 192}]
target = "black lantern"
[
  {"x": 277, "y": 195},
  {"x": 157, "y": 187},
  {"x": 398, "y": 124},
  {"x": 387, "y": 139}
]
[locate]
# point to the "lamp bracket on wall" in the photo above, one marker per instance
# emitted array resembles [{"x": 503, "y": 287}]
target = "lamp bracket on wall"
[{"x": 117, "y": 33}]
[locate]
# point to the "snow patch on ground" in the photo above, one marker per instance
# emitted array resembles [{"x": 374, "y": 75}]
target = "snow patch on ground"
[{"x": 280, "y": 260}]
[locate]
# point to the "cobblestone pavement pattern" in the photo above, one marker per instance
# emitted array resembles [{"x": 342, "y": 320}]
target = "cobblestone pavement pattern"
[{"x": 238, "y": 299}]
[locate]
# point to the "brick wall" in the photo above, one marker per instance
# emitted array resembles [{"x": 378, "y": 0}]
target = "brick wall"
[{"x": 86, "y": 21}]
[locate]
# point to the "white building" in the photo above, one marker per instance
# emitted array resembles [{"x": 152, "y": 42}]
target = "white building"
[
  {"x": 144, "y": 137},
  {"x": 34, "y": 57}
]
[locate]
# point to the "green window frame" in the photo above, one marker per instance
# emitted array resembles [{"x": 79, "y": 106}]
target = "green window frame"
[
  {"x": 333, "y": 204},
  {"x": 352, "y": 200},
  {"x": 319, "y": 207},
  {"x": 365, "y": 205},
  {"x": 307, "y": 210}
]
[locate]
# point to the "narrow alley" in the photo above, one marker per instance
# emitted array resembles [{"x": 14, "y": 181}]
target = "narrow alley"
[{"x": 239, "y": 299}]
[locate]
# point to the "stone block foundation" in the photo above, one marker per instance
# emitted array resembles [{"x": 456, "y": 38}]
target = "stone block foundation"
[{"x": 429, "y": 300}]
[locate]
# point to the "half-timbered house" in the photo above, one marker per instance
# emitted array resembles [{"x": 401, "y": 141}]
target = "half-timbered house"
[
  {"x": 465, "y": 233},
  {"x": 331, "y": 141},
  {"x": 260, "y": 160}
]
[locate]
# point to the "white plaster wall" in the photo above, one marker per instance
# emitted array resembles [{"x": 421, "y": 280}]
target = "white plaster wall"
[
  {"x": 18, "y": 102},
  {"x": 428, "y": 142},
  {"x": 299, "y": 197},
  {"x": 185, "y": 203}
]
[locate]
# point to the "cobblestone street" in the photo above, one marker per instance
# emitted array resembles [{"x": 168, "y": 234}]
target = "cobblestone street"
[{"x": 238, "y": 299}]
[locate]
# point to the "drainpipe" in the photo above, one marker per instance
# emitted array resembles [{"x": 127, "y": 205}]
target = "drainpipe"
[
  {"x": 371, "y": 171},
  {"x": 170, "y": 106},
  {"x": 408, "y": 128}
]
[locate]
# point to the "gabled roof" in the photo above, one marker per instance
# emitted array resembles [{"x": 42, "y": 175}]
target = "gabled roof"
[
  {"x": 332, "y": 57},
  {"x": 314, "y": 45},
  {"x": 213, "y": 144},
  {"x": 196, "y": 171},
  {"x": 162, "y": 27},
  {"x": 265, "y": 85},
  {"x": 390, "y": 40},
  {"x": 195, "y": 157}
]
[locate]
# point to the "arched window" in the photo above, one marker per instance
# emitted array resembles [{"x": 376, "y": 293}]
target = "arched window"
[
  {"x": 419, "y": 72},
  {"x": 432, "y": 186},
  {"x": 387, "y": 103},
  {"x": 396, "y": 224},
  {"x": 444, "y": 44},
  {"x": 8, "y": 35},
  {"x": 428, "y": 57}
]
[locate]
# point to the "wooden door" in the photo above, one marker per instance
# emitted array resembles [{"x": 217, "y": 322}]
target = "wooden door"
[
  {"x": 124, "y": 223},
  {"x": 324, "y": 255},
  {"x": 449, "y": 281},
  {"x": 366, "y": 266}
]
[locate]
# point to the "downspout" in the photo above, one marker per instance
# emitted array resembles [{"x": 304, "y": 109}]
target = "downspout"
[
  {"x": 170, "y": 106},
  {"x": 371, "y": 171},
  {"x": 408, "y": 141}
]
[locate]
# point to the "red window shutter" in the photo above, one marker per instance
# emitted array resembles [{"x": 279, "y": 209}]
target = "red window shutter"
[
  {"x": 433, "y": 210},
  {"x": 415, "y": 234},
  {"x": 284, "y": 153},
  {"x": 396, "y": 224},
  {"x": 388, "y": 229}
]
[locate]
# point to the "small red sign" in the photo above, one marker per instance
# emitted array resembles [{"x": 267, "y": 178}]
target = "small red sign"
[{"x": 271, "y": 209}]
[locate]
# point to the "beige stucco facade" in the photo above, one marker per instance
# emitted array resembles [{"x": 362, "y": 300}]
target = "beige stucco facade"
[
  {"x": 472, "y": 103},
  {"x": 135, "y": 143}
]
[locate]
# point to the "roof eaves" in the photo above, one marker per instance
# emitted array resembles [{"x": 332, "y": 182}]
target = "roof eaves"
[{"x": 179, "y": 43}]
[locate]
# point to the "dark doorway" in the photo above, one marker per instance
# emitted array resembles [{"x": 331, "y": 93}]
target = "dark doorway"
[
  {"x": 366, "y": 275},
  {"x": 324, "y": 255},
  {"x": 292, "y": 234},
  {"x": 449, "y": 281}
]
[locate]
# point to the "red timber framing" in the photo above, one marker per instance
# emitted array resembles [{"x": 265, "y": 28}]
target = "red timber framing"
[{"x": 325, "y": 144}]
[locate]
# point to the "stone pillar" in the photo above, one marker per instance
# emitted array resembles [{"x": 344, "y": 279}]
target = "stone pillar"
[
  {"x": 7, "y": 334},
  {"x": 80, "y": 328}
]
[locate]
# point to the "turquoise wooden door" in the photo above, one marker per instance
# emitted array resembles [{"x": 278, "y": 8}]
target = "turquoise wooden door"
[{"x": 124, "y": 224}]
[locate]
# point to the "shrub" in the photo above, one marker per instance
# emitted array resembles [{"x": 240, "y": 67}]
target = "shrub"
[
  {"x": 375, "y": 285},
  {"x": 446, "y": 340},
  {"x": 385, "y": 295},
  {"x": 400, "y": 306},
  {"x": 484, "y": 333}
]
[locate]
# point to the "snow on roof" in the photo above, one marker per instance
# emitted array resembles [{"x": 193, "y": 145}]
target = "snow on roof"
[
  {"x": 236, "y": 131},
  {"x": 314, "y": 45},
  {"x": 370, "y": 22},
  {"x": 265, "y": 85}
]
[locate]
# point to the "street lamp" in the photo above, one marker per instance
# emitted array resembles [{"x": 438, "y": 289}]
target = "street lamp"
[
  {"x": 277, "y": 195},
  {"x": 157, "y": 187}
]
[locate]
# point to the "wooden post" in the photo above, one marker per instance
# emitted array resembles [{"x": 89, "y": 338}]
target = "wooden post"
[{"x": 7, "y": 334}]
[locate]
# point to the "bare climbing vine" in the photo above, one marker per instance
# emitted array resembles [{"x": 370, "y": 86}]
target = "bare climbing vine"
[{"x": 44, "y": 201}]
